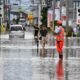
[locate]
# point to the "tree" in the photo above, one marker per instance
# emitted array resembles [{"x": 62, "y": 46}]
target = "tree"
[
  {"x": 17, "y": 20},
  {"x": 69, "y": 31},
  {"x": 44, "y": 16}
]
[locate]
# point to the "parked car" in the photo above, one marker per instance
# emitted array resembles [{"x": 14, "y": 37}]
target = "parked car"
[{"x": 16, "y": 31}]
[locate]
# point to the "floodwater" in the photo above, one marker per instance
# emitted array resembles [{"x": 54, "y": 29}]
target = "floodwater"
[{"x": 20, "y": 60}]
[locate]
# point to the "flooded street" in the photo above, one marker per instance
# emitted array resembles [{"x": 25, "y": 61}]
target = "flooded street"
[
  {"x": 39, "y": 39},
  {"x": 20, "y": 60}
]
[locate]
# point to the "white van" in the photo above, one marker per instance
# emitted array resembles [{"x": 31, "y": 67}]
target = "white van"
[{"x": 16, "y": 31}]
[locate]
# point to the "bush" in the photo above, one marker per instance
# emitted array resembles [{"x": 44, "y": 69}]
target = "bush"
[
  {"x": 78, "y": 34},
  {"x": 69, "y": 31}
]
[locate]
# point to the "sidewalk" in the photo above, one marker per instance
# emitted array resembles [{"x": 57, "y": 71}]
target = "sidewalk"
[{"x": 4, "y": 35}]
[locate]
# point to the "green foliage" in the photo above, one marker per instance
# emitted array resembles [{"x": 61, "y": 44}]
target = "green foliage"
[
  {"x": 17, "y": 20},
  {"x": 55, "y": 23},
  {"x": 78, "y": 34},
  {"x": 69, "y": 31},
  {"x": 44, "y": 16}
]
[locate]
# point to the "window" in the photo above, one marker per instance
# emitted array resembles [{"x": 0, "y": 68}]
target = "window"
[
  {"x": 74, "y": 5},
  {"x": 79, "y": 4},
  {"x": 16, "y": 28}
]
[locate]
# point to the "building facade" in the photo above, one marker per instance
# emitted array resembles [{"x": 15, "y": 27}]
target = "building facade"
[
  {"x": 15, "y": 9},
  {"x": 1, "y": 12},
  {"x": 71, "y": 7},
  {"x": 36, "y": 10},
  {"x": 6, "y": 10},
  {"x": 76, "y": 3}
]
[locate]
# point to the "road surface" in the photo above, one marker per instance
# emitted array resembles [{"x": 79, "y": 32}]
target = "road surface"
[{"x": 19, "y": 60}]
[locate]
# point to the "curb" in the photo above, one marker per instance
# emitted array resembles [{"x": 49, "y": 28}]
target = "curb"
[{"x": 4, "y": 33}]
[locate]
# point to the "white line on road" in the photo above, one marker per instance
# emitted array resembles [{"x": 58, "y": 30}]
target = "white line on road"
[{"x": 35, "y": 47}]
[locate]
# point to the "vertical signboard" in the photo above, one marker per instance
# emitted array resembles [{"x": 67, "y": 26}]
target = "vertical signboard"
[
  {"x": 57, "y": 14},
  {"x": 78, "y": 16},
  {"x": 49, "y": 17},
  {"x": 63, "y": 11},
  {"x": 39, "y": 15},
  {"x": 57, "y": 10},
  {"x": 63, "y": 15}
]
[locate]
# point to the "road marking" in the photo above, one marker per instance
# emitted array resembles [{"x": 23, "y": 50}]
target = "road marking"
[{"x": 35, "y": 47}]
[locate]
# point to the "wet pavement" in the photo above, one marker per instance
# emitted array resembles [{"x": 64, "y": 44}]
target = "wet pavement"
[{"x": 20, "y": 60}]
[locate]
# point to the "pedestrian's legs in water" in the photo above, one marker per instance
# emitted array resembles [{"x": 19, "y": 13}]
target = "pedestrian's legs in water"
[
  {"x": 59, "y": 46},
  {"x": 42, "y": 42},
  {"x": 60, "y": 56}
]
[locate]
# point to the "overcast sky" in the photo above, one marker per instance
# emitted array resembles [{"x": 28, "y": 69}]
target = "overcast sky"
[{"x": 24, "y": 3}]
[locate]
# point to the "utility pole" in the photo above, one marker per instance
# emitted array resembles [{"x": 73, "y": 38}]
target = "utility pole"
[
  {"x": 39, "y": 14},
  {"x": 9, "y": 6},
  {"x": 19, "y": 7},
  {"x": 60, "y": 8},
  {"x": 67, "y": 13},
  {"x": 53, "y": 6}
]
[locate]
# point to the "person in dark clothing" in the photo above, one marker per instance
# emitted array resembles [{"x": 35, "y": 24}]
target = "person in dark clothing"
[
  {"x": 43, "y": 33},
  {"x": 36, "y": 29},
  {"x": 8, "y": 26}
]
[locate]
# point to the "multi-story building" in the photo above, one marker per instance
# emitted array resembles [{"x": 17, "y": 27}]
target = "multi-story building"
[
  {"x": 15, "y": 9},
  {"x": 6, "y": 10},
  {"x": 1, "y": 12},
  {"x": 43, "y": 3},
  {"x": 76, "y": 3},
  {"x": 35, "y": 4},
  {"x": 72, "y": 9},
  {"x": 49, "y": 3}
]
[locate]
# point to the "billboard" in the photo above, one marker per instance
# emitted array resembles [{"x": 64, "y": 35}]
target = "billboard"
[
  {"x": 63, "y": 11},
  {"x": 49, "y": 17},
  {"x": 78, "y": 16},
  {"x": 57, "y": 14},
  {"x": 15, "y": 8}
]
